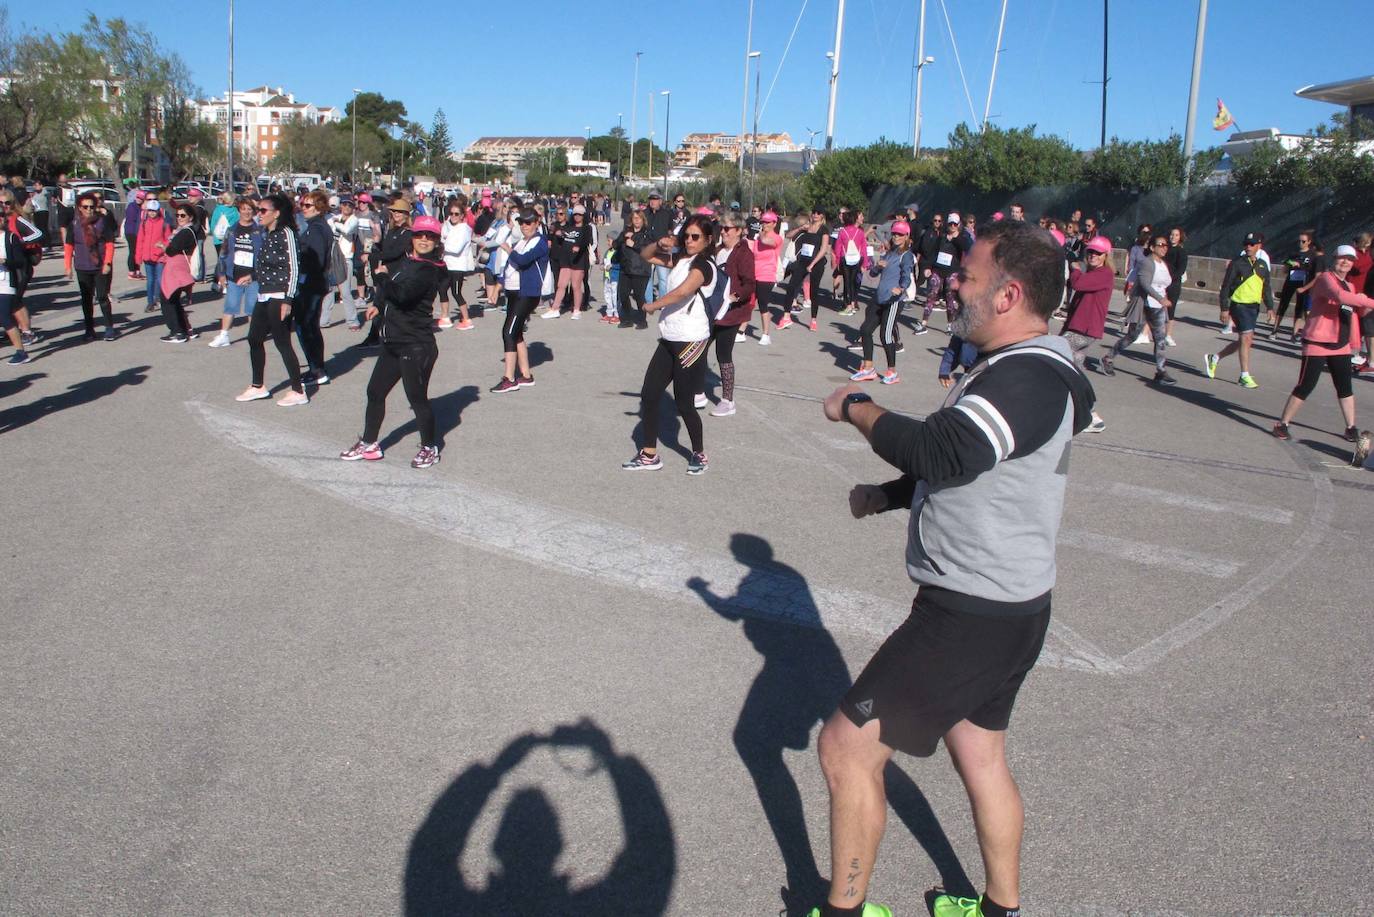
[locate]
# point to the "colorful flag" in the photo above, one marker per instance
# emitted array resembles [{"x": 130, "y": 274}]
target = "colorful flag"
[{"x": 1223, "y": 119}]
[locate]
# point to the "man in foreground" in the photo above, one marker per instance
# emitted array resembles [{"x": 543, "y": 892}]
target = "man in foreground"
[{"x": 985, "y": 478}]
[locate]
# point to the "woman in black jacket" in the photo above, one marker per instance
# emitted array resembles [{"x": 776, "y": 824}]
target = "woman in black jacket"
[
  {"x": 277, "y": 270},
  {"x": 389, "y": 251},
  {"x": 316, "y": 245},
  {"x": 405, "y": 292},
  {"x": 634, "y": 270}
]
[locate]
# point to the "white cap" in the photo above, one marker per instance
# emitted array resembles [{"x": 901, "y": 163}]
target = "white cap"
[
  {"x": 580, "y": 209},
  {"x": 952, "y": 218},
  {"x": 1346, "y": 251}
]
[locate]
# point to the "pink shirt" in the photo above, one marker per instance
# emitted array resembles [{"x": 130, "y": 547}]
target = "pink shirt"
[
  {"x": 1323, "y": 321},
  {"x": 766, "y": 259},
  {"x": 860, "y": 241}
]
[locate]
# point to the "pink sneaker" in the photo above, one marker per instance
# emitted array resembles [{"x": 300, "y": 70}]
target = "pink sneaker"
[
  {"x": 890, "y": 377},
  {"x": 292, "y": 399},
  {"x": 813, "y": 324},
  {"x": 465, "y": 325},
  {"x": 864, "y": 375},
  {"x": 784, "y": 322}
]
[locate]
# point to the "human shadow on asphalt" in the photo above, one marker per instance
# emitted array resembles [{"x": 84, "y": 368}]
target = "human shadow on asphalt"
[
  {"x": 529, "y": 840},
  {"x": 83, "y": 392},
  {"x": 669, "y": 424},
  {"x": 17, "y": 384},
  {"x": 448, "y": 413},
  {"x": 801, "y": 683},
  {"x": 845, "y": 359},
  {"x": 1205, "y": 400},
  {"x": 540, "y": 353}
]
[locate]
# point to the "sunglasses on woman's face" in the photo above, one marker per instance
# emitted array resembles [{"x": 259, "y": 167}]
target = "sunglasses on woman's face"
[
  {"x": 694, "y": 235},
  {"x": 265, "y": 210},
  {"x": 87, "y": 207}
]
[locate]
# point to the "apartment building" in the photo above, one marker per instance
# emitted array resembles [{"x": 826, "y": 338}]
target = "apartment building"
[
  {"x": 694, "y": 147},
  {"x": 259, "y": 115}
]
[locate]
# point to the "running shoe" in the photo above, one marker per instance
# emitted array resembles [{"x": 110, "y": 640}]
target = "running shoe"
[
  {"x": 355, "y": 326},
  {"x": 870, "y": 910},
  {"x": 953, "y": 906},
  {"x": 890, "y": 377},
  {"x": 920, "y": 327},
  {"x": 110, "y": 334},
  {"x": 1142, "y": 338},
  {"x": 1228, "y": 328},
  {"x": 524, "y": 381},
  {"x": 796, "y": 309},
  {"x": 575, "y": 314},
  {"x": 643, "y": 461},
  {"x": 699, "y": 402},
  {"x": 426, "y": 457},
  {"x": 740, "y": 337},
  {"x": 444, "y": 323},
  {"x": 1247, "y": 381},
  {"x": 220, "y": 340},
  {"x": 1097, "y": 426},
  {"x": 192, "y": 335},
  {"x": 856, "y": 346},
  {"x": 1363, "y": 446},
  {"x": 697, "y": 463},
  {"x": 847, "y": 310},
  {"x": 28, "y": 338},
  {"x": 1163, "y": 378},
  {"x": 784, "y": 322},
  {"x": 815, "y": 325},
  {"x": 765, "y": 340},
  {"x": 723, "y": 408},
  {"x": 293, "y": 399},
  {"x": 608, "y": 320},
  {"x": 1169, "y": 341},
  {"x": 1209, "y": 365},
  {"x": 864, "y": 375},
  {"x": 173, "y": 339},
  {"x": 1280, "y": 431},
  {"x": 550, "y": 313},
  {"x": 253, "y": 393},
  {"x": 1107, "y": 368},
  {"x": 321, "y": 378},
  {"x": 1358, "y": 360},
  {"x": 368, "y": 452},
  {"x": 465, "y": 325},
  {"x": 505, "y": 385},
  {"x": 19, "y": 358},
  {"x": 901, "y": 348},
  {"x": 1352, "y": 434}
]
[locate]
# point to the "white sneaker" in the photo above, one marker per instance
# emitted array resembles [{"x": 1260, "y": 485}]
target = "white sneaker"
[
  {"x": 1228, "y": 328},
  {"x": 1169, "y": 340},
  {"x": 740, "y": 337},
  {"x": 1142, "y": 339},
  {"x": 220, "y": 340},
  {"x": 550, "y": 313},
  {"x": 1358, "y": 360},
  {"x": 724, "y": 409},
  {"x": 700, "y": 401},
  {"x": 765, "y": 340}
]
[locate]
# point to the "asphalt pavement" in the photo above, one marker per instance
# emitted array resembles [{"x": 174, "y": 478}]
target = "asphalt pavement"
[{"x": 243, "y": 677}]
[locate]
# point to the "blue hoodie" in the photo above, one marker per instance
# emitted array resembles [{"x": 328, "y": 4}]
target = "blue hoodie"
[{"x": 532, "y": 265}]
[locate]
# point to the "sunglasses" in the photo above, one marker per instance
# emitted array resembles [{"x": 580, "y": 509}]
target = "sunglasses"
[
  {"x": 86, "y": 207},
  {"x": 1097, "y": 253},
  {"x": 265, "y": 210},
  {"x": 693, "y": 235},
  {"x": 183, "y": 216}
]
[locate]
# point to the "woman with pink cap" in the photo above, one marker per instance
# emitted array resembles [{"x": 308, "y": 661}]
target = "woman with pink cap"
[
  {"x": 766, "y": 246},
  {"x": 1090, "y": 292},
  {"x": 851, "y": 256},
  {"x": 894, "y": 271}
]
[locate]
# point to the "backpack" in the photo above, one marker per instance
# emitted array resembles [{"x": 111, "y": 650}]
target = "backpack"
[
  {"x": 716, "y": 301},
  {"x": 338, "y": 269},
  {"x": 852, "y": 256}
]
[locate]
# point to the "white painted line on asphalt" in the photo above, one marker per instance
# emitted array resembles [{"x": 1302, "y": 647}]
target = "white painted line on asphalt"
[
  {"x": 1233, "y": 507},
  {"x": 1150, "y": 555},
  {"x": 570, "y": 542}
]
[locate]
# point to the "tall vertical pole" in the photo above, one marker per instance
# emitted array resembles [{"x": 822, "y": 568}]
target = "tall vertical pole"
[
  {"x": 996, "y": 53},
  {"x": 754, "y": 147},
  {"x": 229, "y": 181},
  {"x": 920, "y": 71},
  {"x": 649, "y": 173},
  {"x": 353, "y": 163},
  {"x": 834, "y": 78},
  {"x": 1103, "y": 142},
  {"x": 667, "y": 133},
  {"x": 744, "y": 103},
  {"x": 1192, "y": 95},
  {"x": 634, "y": 109}
]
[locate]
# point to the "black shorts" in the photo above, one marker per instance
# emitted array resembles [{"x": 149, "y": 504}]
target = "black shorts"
[
  {"x": 1367, "y": 325},
  {"x": 942, "y": 666},
  {"x": 1244, "y": 316}
]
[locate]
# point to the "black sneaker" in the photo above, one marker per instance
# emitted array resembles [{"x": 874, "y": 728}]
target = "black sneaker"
[
  {"x": 1280, "y": 431},
  {"x": 901, "y": 348},
  {"x": 505, "y": 385},
  {"x": 1352, "y": 434},
  {"x": 110, "y": 335},
  {"x": 1106, "y": 366},
  {"x": 173, "y": 339},
  {"x": 920, "y": 328},
  {"x": 193, "y": 335},
  {"x": 308, "y": 378},
  {"x": 1163, "y": 378},
  {"x": 28, "y": 338},
  {"x": 697, "y": 464}
]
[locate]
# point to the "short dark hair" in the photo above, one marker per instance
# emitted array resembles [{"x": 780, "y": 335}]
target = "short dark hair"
[{"x": 1028, "y": 254}]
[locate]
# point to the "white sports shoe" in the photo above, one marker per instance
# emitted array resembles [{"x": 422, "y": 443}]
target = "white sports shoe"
[
  {"x": 700, "y": 401},
  {"x": 765, "y": 340},
  {"x": 220, "y": 340}
]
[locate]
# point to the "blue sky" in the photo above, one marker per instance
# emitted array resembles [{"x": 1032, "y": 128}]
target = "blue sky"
[{"x": 580, "y": 62}]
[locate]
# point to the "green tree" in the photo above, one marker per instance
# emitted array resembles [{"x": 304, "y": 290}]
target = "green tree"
[
  {"x": 1136, "y": 165},
  {"x": 848, "y": 177},
  {"x": 605, "y": 148},
  {"x": 440, "y": 141},
  {"x": 1329, "y": 157},
  {"x": 710, "y": 159},
  {"x": 1010, "y": 159},
  {"x": 44, "y": 93},
  {"x": 377, "y": 110},
  {"x": 306, "y": 147},
  {"x": 191, "y": 145}
]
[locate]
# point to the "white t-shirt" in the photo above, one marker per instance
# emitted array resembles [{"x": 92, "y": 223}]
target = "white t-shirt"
[
  {"x": 511, "y": 275},
  {"x": 345, "y": 232},
  {"x": 1159, "y": 284},
  {"x": 457, "y": 241},
  {"x": 6, "y": 288},
  {"x": 687, "y": 321}
]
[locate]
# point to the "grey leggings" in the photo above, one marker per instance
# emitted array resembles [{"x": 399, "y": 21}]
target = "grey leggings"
[{"x": 1157, "y": 319}]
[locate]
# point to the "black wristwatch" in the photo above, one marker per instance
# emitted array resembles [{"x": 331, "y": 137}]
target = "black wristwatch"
[{"x": 852, "y": 398}]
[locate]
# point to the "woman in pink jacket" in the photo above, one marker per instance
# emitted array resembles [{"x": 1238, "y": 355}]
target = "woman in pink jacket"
[
  {"x": 1331, "y": 330},
  {"x": 153, "y": 235},
  {"x": 766, "y": 248},
  {"x": 851, "y": 254}
]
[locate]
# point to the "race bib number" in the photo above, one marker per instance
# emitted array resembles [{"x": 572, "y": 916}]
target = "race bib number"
[
  {"x": 807, "y": 250},
  {"x": 944, "y": 259},
  {"x": 243, "y": 259}
]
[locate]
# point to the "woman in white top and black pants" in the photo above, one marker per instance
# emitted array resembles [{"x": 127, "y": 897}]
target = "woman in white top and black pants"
[
  {"x": 684, "y": 332},
  {"x": 1149, "y": 302}
]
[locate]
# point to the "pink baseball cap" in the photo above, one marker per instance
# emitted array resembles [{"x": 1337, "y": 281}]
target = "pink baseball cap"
[
  {"x": 1100, "y": 244},
  {"x": 1058, "y": 236},
  {"x": 140, "y": 195},
  {"x": 196, "y": 192},
  {"x": 998, "y": 215},
  {"x": 704, "y": 211},
  {"x": 901, "y": 228},
  {"x": 769, "y": 217},
  {"x": 427, "y": 224},
  {"x": 364, "y": 198}
]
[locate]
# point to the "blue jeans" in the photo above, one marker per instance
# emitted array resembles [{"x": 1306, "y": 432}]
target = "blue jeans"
[
  {"x": 153, "y": 271},
  {"x": 958, "y": 352},
  {"x": 658, "y": 284},
  {"x": 240, "y": 300}
]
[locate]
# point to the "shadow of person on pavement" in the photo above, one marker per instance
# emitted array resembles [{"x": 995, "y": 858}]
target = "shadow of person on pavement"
[
  {"x": 529, "y": 840},
  {"x": 448, "y": 413},
  {"x": 801, "y": 683},
  {"x": 77, "y": 394}
]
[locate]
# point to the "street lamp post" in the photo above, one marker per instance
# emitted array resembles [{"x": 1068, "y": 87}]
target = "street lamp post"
[
  {"x": 353, "y": 165},
  {"x": 229, "y": 101},
  {"x": 744, "y": 104},
  {"x": 754, "y": 144},
  {"x": 667, "y": 133},
  {"x": 634, "y": 109},
  {"x": 619, "y": 150},
  {"x": 834, "y": 78},
  {"x": 1192, "y": 95},
  {"x": 916, "y": 135}
]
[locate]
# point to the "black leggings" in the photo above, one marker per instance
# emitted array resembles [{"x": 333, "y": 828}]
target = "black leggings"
[
  {"x": 724, "y": 336},
  {"x": 174, "y": 313},
  {"x": 631, "y": 288},
  {"x": 881, "y": 317},
  {"x": 266, "y": 320},
  {"x": 850, "y": 274},
  {"x": 1311, "y": 371},
  {"x": 683, "y": 364},
  {"x": 518, "y": 312},
  {"x": 412, "y": 365},
  {"x": 454, "y": 283},
  {"x": 796, "y": 274},
  {"x": 763, "y": 292},
  {"x": 131, "y": 239},
  {"x": 95, "y": 285}
]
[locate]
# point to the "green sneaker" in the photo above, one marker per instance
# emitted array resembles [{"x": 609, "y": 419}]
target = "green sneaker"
[
  {"x": 1248, "y": 381},
  {"x": 950, "y": 906},
  {"x": 870, "y": 910},
  {"x": 1209, "y": 365}
]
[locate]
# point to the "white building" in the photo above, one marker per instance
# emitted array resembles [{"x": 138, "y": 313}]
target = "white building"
[
  {"x": 511, "y": 151},
  {"x": 259, "y": 115}
]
